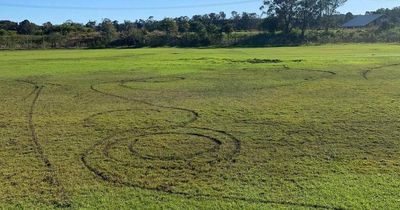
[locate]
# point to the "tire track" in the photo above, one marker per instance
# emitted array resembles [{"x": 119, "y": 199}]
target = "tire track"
[
  {"x": 165, "y": 190},
  {"x": 306, "y": 80},
  {"x": 62, "y": 199},
  {"x": 123, "y": 83},
  {"x": 120, "y": 182},
  {"x": 365, "y": 73},
  {"x": 112, "y": 179},
  {"x": 238, "y": 144},
  {"x": 35, "y": 87},
  {"x": 193, "y": 112},
  {"x": 109, "y": 144},
  {"x": 332, "y": 73},
  {"x": 88, "y": 121},
  {"x": 215, "y": 148}
]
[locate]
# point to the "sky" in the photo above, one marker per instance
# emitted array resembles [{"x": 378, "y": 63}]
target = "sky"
[{"x": 58, "y": 11}]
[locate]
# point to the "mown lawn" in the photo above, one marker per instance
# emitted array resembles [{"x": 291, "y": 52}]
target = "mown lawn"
[{"x": 257, "y": 128}]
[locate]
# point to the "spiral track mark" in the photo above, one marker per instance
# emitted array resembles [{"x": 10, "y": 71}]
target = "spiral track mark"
[
  {"x": 109, "y": 144},
  {"x": 120, "y": 182},
  {"x": 238, "y": 144},
  {"x": 117, "y": 181},
  {"x": 112, "y": 140}
]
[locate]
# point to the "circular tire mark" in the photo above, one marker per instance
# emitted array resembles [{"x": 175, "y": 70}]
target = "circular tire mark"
[
  {"x": 109, "y": 143},
  {"x": 124, "y": 84},
  {"x": 217, "y": 143}
]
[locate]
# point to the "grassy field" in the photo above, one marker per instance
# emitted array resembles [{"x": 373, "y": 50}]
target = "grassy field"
[{"x": 282, "y": 128}]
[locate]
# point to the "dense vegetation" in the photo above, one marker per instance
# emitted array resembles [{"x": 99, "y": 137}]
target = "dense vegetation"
[
  {"x": 286, "y": 23},
  {"x": 168, "y": 128}
]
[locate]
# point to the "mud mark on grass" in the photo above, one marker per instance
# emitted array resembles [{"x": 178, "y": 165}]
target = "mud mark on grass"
[
  {"x": 255, "y": 61},
  {"x": 365, "y": 74},
  {"x": 155, "y": 80},
  {"x": 251, "y": 61}
]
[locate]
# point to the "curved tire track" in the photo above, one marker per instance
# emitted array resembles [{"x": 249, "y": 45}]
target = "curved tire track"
[
  {"x": 120, "y": 182},
  {"x": 35, "y": 87},
  {"x": 194, "y": 113},
  {"x": 123, "y": 84},
  {"x": 215, "y": 148},
  {"x": 62, "y": 199},
  {"x": 365, "y": 73},
  {"x": 115, "y": 180}
]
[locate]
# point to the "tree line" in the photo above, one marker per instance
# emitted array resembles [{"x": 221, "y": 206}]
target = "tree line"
[{"x": 282, "y": 22}]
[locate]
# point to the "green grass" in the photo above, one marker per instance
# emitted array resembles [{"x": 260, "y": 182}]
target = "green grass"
[{"x": 201, "y": 128}]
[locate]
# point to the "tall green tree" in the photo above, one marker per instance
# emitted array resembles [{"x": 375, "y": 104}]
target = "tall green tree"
[
  {"x": 327, "y": 8},
  {"x": 27, "y": 28},
  {"x": 284, "y": 10},
  {"x": 107, "y": 27},
  {"x": 47, "y": 28},
  {"x": 169, "y": 26},
  {"x": 302, "y": 13},
  {"x": 270, "y": 24},
  {"x": 307, "y": 14},
  {"x": 8, "y": 25}
]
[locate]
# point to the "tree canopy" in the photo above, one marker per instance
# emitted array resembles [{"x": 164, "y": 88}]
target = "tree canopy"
[
  {"x": 282, "y": 22},
  {"x": 301, "y": 13}
]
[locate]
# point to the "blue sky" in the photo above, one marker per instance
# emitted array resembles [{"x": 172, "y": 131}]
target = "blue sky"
[{"x": 41, "y": 15}]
